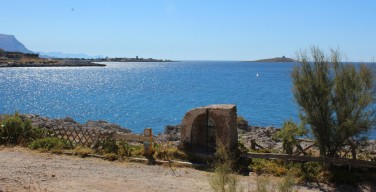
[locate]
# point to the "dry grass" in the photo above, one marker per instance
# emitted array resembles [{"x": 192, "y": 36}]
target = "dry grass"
[{"x": 83, "y": 151}]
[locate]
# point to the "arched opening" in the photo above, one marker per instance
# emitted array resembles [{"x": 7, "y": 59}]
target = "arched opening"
[{"x": 203, "y": 138}]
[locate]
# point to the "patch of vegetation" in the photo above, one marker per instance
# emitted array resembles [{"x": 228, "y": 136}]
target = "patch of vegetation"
[
  {"x": 167, "y": 152},
  {"x": 109, "y": 146},
  {"x": 310, "y": 171},
  {"x": 110, "y": 156},
  {"x": 286, "y": 184},
  {"x": 335, "y": 98},
  {"x": 16, "y": 131},
  {"x": 125, "y": 149},
  {"x": 49, "y": 144},
  {"x": 265, "y": 184},
  {"x": 83, "y": 151},
  {"x": 288, "y": 135},
  {"x": 224, "y": 179},
  {"x": 273, "y": 167}
]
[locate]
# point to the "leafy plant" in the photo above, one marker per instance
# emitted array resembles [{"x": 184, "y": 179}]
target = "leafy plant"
[
  {"x": 310, "y": 171},
  {"x": 14, "y": 130},
  {"x": 125, "y": 149},
  {"x": 109, "y": 146},
  {"x": 288, "y": 134}
]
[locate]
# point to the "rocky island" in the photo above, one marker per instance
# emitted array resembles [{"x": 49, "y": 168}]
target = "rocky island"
[{"x": 276, "y": 59}]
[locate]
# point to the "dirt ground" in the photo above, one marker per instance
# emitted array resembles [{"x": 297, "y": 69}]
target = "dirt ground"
[{"x": 26, "y": 170}]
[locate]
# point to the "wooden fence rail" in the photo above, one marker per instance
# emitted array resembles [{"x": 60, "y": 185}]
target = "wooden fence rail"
[{"x": 337, "y": 161}]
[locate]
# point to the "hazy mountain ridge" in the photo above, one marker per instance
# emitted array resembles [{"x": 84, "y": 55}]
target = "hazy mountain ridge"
[
  {"x": 11, "y": 44},
  {"x": 67, "y": 55}
]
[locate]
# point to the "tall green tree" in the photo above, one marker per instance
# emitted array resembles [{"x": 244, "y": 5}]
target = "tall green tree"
[{"x": 335, "y": 99}]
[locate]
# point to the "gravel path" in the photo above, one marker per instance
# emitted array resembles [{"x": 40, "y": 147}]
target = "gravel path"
[{"x": 26, "y": 170}]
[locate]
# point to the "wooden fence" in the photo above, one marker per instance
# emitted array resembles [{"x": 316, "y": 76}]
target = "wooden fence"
[
  {"x": 301, "y": 154},
  {"x": 332, "y": 160},
  {"x": 93, "y": 137}
]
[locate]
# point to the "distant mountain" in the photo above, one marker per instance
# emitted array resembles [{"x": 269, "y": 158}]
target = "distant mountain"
[
  {"x": 67, "y": 55},
  {"x": 10, "y": 43},
  {"x": 276, "y": 59}
]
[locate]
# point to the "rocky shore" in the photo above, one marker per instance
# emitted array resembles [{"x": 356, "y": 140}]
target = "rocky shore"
[
  {"x": 263, "y": 136},
  {"x": 49, "y": 123}
]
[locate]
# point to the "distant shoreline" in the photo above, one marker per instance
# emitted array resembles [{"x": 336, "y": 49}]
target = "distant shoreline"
[{"x": 63, "y": 63}]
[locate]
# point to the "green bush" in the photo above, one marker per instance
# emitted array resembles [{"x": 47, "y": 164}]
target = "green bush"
[
  {"x": 125, "y": 149},
  {"x": 310, "y": 171},
  {"x": 48, "y": 143},
  {"x": 274, "y": 167},
  {"x": 288, "y": 134},
  {"x": 108, "y": 145},
  {"x": 15, "y": 131}
]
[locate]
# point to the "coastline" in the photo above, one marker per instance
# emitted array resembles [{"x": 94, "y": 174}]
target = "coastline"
[
  {"x": 61, "y": 63},
  {"x": 246, "y": 133}
]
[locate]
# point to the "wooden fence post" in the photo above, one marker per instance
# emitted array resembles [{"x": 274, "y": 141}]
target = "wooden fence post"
[{"x": 148, "y": 144}]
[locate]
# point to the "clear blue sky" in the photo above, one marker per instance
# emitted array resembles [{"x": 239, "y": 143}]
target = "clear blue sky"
[{"x": 193, "y": 29}]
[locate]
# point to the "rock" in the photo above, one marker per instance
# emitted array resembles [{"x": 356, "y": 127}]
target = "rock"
[
  {"x": 69, "y": 119},
  {"x": 242, "y": 124},
  {"x": 262, "y": 135},
  {"x": 45, "y": 122},
  {"x": 105, "y": 125},
  {"x": 172, "y": 129},
  {"x": 172, "y": 133}
]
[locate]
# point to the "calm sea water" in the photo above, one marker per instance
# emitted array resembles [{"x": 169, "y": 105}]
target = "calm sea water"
[{"x": 139, "y": 95}]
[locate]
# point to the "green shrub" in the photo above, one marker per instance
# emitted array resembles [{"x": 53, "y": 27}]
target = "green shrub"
[
  {"x": 109, "y": 146},
  {"x": 288, "y": 134},
  {"x": 125, "y": 149},
  {"x": 310, "y": 171},
  {"x": 15, "y": 131},
  {"x": 48, "y": 143},
  {"x": 274, "y": 167}
]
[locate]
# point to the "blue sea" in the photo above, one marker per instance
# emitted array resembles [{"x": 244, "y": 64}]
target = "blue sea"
[{"x": 156, "y": 94}]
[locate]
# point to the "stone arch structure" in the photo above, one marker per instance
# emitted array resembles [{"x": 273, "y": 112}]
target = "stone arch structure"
[{"x": 201, "y": 127}]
